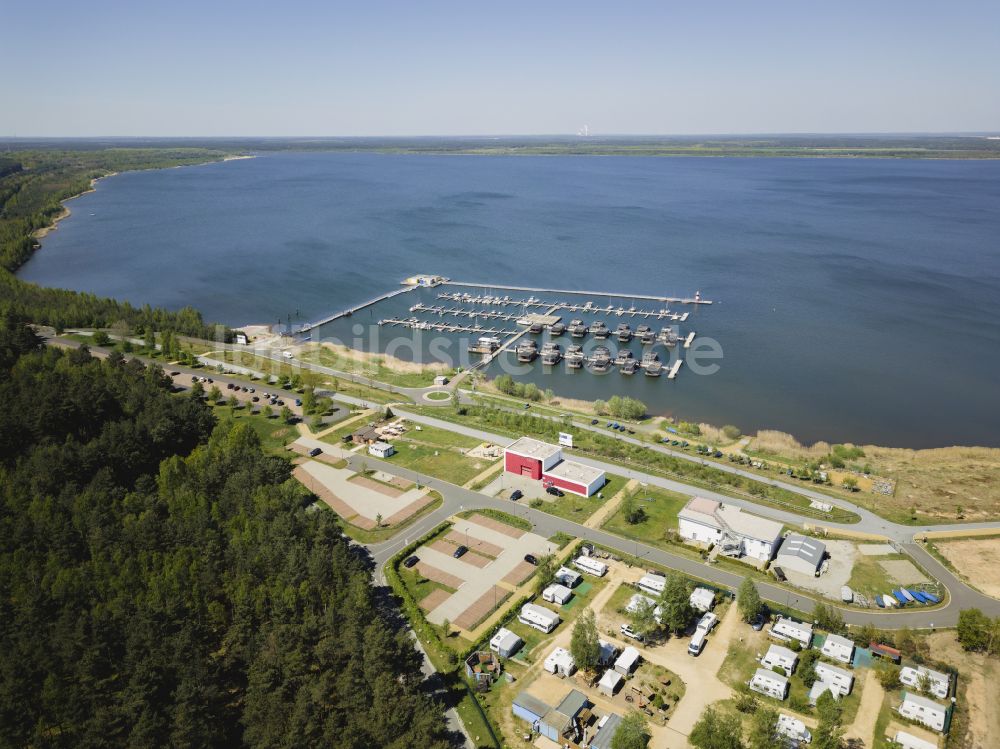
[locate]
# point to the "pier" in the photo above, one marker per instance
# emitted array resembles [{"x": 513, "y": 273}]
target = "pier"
[
  {"x": 589, "y": 307},
  {"x": 444, "y": 327},
  {"x": 689, "y": 340},
  {"x": 675, "y": 369},
  {"x": 649, "y": 297},
  {"x": 356, "y": 308}
]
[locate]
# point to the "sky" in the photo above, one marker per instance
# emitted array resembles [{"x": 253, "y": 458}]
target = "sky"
[{"x": 470, "y": 68}]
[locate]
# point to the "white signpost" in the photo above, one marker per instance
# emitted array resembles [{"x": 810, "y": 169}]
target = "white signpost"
[{"x": 566, "y": 440}]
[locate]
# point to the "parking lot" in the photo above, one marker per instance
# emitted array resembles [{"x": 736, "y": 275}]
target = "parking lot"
[{"x": 485, "y": 575}]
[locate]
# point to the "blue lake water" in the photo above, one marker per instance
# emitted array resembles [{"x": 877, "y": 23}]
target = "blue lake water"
[{"x": 854, "y": 299}]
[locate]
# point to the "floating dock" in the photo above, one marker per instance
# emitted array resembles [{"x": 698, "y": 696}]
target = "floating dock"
[
  {"x": 589, "y": 307},
  {"x": 696, "y": 299},
  {"x": 688, "y": 341},
  {"x": 444, "y": 327},
  {"x": 675, "y": 369},
  {"x": 356, "y": 308}
]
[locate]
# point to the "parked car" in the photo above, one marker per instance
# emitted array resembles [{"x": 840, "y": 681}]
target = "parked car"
[
  {"x": 255, "y": 399},
  {"x": 314, "y": 452},
  {"x": 516, "y": 494},
  {"x": 593, "y": 422},
  {"x": 175, "y": 374},
  {"x": 627, "y": 631},
  {"x": 410, "y": 561},
  {"x": 758, "y": 622},
  {"x": 298, "y": 401},
  {"x": 460, "y": 551},
  {"x": 530, "y": 559},
  {"x": 555, "y": 491}
]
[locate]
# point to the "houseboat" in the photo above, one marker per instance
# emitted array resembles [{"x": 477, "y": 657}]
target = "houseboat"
[
  {"x": 667, "y": 337},
  {"x": 527, "y": 351},
  {"x": 557, "y": 329},
  {"x": 574, "y": 357},
  {"x": 600, "y": 360},
  {"x": 628, "y": 366},
  {"x": 624, "y": 332},
  {"x": 645, "y": 334},
  {"x": 551, "y": 353},
  {"x": 600, "y": 330},
  {"x": 484, "y": 345},
  {"x": 535, "y": 328},
  {"x": 651, "y": 365},
  {"x": 577, "y": 329}
]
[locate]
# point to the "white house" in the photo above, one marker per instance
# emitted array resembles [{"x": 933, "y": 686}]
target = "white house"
[
  {"x": 923, "y": 710},
  {"x": 789, "y": 629},
  {"x": 939, "y": 684},
  {"x": 840, "y": 679},
  {"x": 609, "y": 682},
  {"x": 769, "y": 683},
  {"x": 566, "y": 576},
  {"x": 381, "y": 449},
  {"x": 560, "y": 662},
  {"x": 702, "y": 599},
  {"x": 735, "y": 532},
  {"x": 627, "y": 661},
  {"x": 652, "y": 584},
  {"x": 591, "y": 566},
  {"x": 505, "y": 643},
  {"x": 800, "y": 553},
  {"x": 556, "y": 593},
  {"x": 909, "y": 741},
  {"x": 793, "y": 728},
  {"x": 838, "y": 648},
  {"x": 538, "y": 617},
  {"x": 240, "y": 338},
  {"x": 778, "y": 655}
]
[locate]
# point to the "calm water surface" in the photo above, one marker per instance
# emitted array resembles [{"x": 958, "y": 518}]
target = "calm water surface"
[{"x": 855, "y": 299}]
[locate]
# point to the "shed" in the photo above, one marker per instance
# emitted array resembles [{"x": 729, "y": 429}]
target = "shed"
[
  {"x": 608, "y": 653},
  {"x": 769, "y": 683},
  {"x": 530, "y": 708},
  {"x": 609, "y": 682},
  {"x": 381, "y": 449},
  {"x": 557, "y": 593},
  {"x": 627, "y": 661},
  {"x": 505, "y": 643},
  {"x": 560, "y": 721},
  {"x": 778, "y": 655},
  {"x": 440, "y": 380},
  {"x": 702, "y": 599},
  {"x": 838, "y": 648},
  {"x": 606, "y": 731},
  {"x": 801, "y": 553},
  {"x": 365, "y": 435},
  {"x": 560, "y": 662},
  {"x": 884, "y": 651}
]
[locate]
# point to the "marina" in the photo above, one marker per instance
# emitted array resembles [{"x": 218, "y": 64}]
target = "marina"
[
  {"x": 696, "y": 299},
  {"x": 589, "y": 307}
]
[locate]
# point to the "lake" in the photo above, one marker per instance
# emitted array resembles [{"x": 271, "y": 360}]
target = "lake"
[{"x": 855, "y": 299}]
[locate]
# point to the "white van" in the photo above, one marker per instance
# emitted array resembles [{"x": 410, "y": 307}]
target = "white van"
[{"x": 698, "y": 640}]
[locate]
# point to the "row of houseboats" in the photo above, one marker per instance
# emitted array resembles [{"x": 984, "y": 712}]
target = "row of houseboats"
[
  {"x": 600, "y": 359},
  {"x": 600, "y": 330}
]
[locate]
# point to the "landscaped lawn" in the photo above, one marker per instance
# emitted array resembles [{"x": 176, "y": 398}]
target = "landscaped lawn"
[
  {"x": 661, "y": 507},
  {"x": 440, "y": 462},
  {"x": 440, "y": 437},
  {"x": 576, "y": 508},
  {"x": 274, "y": 434},
  {"x": 420, "y": 586},
  {"x": 868, "y": 576}
]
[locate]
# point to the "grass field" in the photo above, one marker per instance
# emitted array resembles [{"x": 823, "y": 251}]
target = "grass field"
[
  {"x": 576, "y": 508},
  {"x": 443, "y": 463},
  {"x": 379, "y": 368},
  {"x": 274, "y": 434},
  {"x": 661, "y": 516}
]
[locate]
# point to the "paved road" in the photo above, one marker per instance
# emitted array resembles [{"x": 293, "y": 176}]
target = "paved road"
[{"x": 457, "y": 499}]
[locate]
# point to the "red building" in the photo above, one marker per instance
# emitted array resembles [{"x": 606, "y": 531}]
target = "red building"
[{"x": 543, "y": 462}]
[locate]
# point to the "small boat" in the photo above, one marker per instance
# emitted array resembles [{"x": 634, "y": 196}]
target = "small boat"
[
  {"x": 907, "y": 595},
  {"x": 920, "y": 596},
  {"x": 878, "y": 601},
  {"x": 890, "y": 602},
  {"x": 933, "y": 598},
  {"x": 899, "y": 597}
]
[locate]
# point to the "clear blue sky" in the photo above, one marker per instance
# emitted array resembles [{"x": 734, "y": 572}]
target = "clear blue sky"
[{"x": 422, "y": 68}]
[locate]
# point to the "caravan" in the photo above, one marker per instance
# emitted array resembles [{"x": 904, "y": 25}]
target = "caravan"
[
  {"x": 591, "y": 566},
  {"x": 538, "y": 617}
]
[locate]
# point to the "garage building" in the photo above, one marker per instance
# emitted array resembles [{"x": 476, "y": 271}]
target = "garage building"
[
  {"x": 543, "y": 462},
  {"x": 801, "y": 554}
]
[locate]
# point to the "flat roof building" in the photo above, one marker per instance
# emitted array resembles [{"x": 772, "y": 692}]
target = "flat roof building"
[
  {"x": 606, "y": 731},
  {"x": 381, "y": 449},
  {"x": 801, "y": 554},
  {"x": 789, "y": 629},
  {"x": 544, "y": 462},
  {"x": 735, "y": 532},
  {"x": 567, "y": 577},
  {"x": 627, "y": 661},
  {"x": 938, "y": 683}
]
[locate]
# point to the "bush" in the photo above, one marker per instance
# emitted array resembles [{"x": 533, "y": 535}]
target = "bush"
[{"x": 732, "y": 432}]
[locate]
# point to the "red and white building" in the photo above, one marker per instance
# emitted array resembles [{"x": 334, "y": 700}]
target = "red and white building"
[{"x": 543, "y": 462}]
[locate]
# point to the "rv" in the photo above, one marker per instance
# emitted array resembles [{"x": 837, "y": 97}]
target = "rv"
[
  {"x": 840, "y": 680},
  {"x": 652, "y": 584},
  {"x": 560, "y": 662},
  {"x": 769, "y": 683},
  {"x": 558, "y": 594},
  {"x": 591, "y": 566},
  {"x": 697, "y": 643},
  {"x": 538, "y": 617}
]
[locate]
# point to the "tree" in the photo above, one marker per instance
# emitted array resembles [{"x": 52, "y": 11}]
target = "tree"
[
  {"x": 600, "y": 407},
  {"x": 807, "y": 666},
  {"x": 456, "y": 399},
  {"x": 715, "y": 730},
  {"x": 545, "y": 572},
  {"x": 584, "y": 643},
  {"x": 642, "y": 618},
  {"x": 887, "y": 675},
  {"x": 632, "y": 732},
  {"x": 378, "y": 520},
  {"x": 732, "y": 432},
  {"x": 308, "y": 399},
  {"x": 197, "y": 391},
  {"x": 828, "y": 618},
  {"x": 976, "y": 631},
  {"x": 632, "y": 511},
  {"x": 267, "y": 412},
  {"x": 214, "y": 394},
  {"x": 675, "y": 602},
  {"x": 748, "y": 600},
  {"x": 286, "y": 414},
  {"x": 829, "y": 733},
  {"x": 850, "y": 483},
  {"x": 101, "y": 338},
  {"x": 763, "y": 728}
]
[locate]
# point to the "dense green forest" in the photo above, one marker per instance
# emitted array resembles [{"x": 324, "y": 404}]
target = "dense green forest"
[
  {"x": 164, "y": 583},
  {"x": 32, "y": 186}
]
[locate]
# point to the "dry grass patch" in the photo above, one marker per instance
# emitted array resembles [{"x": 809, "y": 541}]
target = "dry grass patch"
[{"x": 977, "y": 561}]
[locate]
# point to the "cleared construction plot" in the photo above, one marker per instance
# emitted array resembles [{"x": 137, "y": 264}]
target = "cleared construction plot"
[{"x": 977, "y": 560}]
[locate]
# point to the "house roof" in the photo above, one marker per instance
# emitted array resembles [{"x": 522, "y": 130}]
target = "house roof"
[
  {"x": 532, "y": 448},
  {"x": 839, "y": 641},
  {"x": 701, "y": 510},
  {"x": 808, "y": 549},
  {"x": 724, "y": 516},
  {"x": 780, "y": 651},
  {"x": 921, "y": 701},
  {"x": 610, "y": 679},
  {"x": 629, "y": 656},
  {"x": 573, "y": 703},
  {"x": 531, "y": 703},
  {"x": 603, "y": 738},
  {"x": 578, "y": 473},
  {"x": 504, "y": 639},
  {"x": 767, "y": 675}
]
